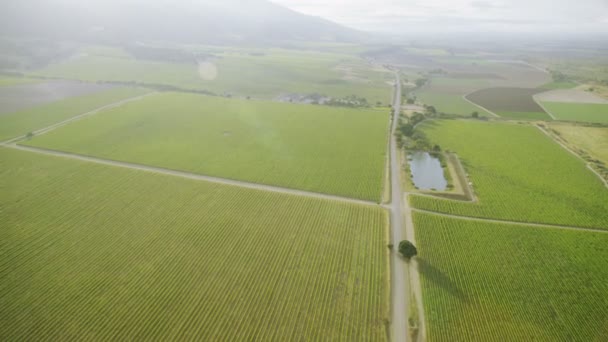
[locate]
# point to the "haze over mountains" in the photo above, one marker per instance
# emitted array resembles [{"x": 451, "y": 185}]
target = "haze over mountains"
[{"x": 182, "y": 21}]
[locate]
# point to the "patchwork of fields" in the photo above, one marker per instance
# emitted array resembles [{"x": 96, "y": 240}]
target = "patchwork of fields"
[
  {"x": 238, "y": 72},
  {"x": 25, "y": 96},
  {"x": 497, "y": 282},
  {"x": 21, "y": 122},
  {"x": 518, "y": 174},
  {"x": 323, "y": 149},
  {"x": 95, "y": 252}
]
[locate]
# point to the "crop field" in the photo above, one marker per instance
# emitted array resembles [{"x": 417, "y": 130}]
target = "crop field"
[
  {"x": 518, "y": 174},
  {"x": 24, "y": 96},
  {"x": 500, "y": 282},
  {"x": 509, "y": 100},
  {"x": 524, "y": 115},
  {"x": 584, "y": 112},
  {"x": 559, "y": 85},
  {"x": 451, "y": 104},
  {"x": 12, "y": 81},
  {"x": 239, "y": 73},
  {"x": 91, "y": 252},
  {"x": 593, "y": 140},
  {"x": 20, "y": 123},
  {"x": 570, "y": 96},
  {"x": 317, "y": 148}
]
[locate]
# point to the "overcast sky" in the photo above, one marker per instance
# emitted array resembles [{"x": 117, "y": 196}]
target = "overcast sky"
[{"x": 435, "y": 16}]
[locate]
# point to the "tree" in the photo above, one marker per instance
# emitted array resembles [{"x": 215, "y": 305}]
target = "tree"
[
  {"x": 421, "y": 82},
  {"x": 29, "y": 135},
  {"x": 407, "y": 130},
  {"x": 411, "y": 101},
  {"x": 475, "y": 115},
  {"x": 407, "y": 249},
  {"x": 431, "y": 110}
]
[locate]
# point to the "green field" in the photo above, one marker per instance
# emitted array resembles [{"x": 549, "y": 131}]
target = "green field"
[
  {"x": 20, "y": 123},
  {"x": 559, "y": 85},
  {"x": 91, "y": 252},
  {"x": 525, "y": 115},
  {"x": 317, "y": 148},
  {"x": 499, "y": 282},
  {"x": 241, "y": 73},
  {"x": 585, "y": 112},
  {"x": 450, "y": 104},
  {"x": 12, "y": 81},
  {"x": 518, "y": 174}
]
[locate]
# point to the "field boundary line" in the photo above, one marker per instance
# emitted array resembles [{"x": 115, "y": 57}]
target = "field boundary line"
[
  {"x": 515, "y": 223},
  {"x": 574, "y": 154},
  {"x": 479, "y": 106},
  {"x": 189, "y": 175},
  {"x": 54, "y": 126},
  {"x": 543, "y": 107}
]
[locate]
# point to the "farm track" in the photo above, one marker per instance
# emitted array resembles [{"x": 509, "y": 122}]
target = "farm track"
[
  {"x": 515, "y": 223},
  {"x": 540, "y": 104},
  {"x": 79, "y": 117},
  {"x": 464, "y": 97},
  {"x": 188, "y": 175},
  {"x": 400, "y": 292}
]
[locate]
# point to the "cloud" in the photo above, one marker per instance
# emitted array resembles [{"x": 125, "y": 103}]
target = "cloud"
[{"x": 500, "y": 15}]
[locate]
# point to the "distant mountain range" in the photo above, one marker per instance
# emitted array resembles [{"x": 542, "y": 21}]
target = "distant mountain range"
[{"x": 180, "y": 21}]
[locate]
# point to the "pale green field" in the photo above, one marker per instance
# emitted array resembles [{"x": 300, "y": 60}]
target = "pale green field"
[
  {"x": 450, "y": 104},
  {"x": 238, "y": 72},
  {"x": 519, "y": 174},
  {"x": 585, "y": 112},
  {"x": 525, "y": 115},
  {"x": 317, "y": 148},
  {"x": 11, "y": 81},
  {"x": 92, "y": 252},
  {"x": 594, "y": 140},
  {"x": 559, "y": 85},
  {"x": 28, "y": 120},
  {"x": 500, "y": 282}
]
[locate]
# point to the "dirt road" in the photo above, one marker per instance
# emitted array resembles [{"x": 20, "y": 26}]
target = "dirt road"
[
  {"x": 399, "y": 275},
  {"x": 79, "y": 117},
  {"x": 188, "y": 175}
]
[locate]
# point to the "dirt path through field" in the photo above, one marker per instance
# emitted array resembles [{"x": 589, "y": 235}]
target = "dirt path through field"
[
  {"x": 478, "y": 106},
  {"x": 79, "y": 117},
  {"x": 514, "y": 223},
  {"x": 399, "y": 275},
  {"x": 182, "y": 174},
  {"x": 415, "y": 283}
]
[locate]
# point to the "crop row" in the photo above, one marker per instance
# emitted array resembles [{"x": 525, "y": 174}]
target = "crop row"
[
  {"x": 498, "y": 282},
  {"x": 519, "y": 174},
  {"x": 95, "y": 252},
  {"x": 28, "y": 120},
  {"x": 316, "y": 148}
]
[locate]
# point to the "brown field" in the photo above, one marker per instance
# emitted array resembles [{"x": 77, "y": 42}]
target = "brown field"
[
  {"x": 507, "y": 99},
  {"x": 20, "y": 97}
]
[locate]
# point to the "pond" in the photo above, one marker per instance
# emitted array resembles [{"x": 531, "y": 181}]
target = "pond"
[{"x": 427, "y": 173}]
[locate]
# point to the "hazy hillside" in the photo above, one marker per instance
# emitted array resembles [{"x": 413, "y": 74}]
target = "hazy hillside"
[{"x": 185, "y": 21}]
